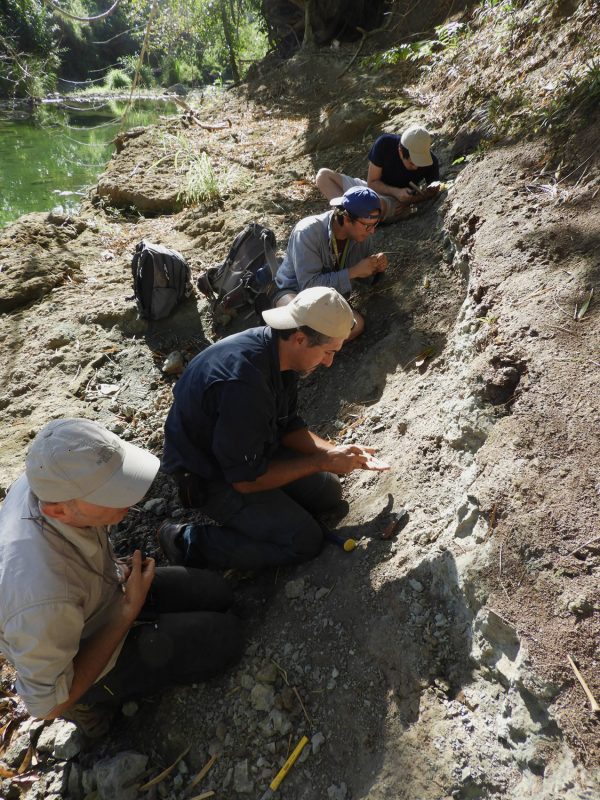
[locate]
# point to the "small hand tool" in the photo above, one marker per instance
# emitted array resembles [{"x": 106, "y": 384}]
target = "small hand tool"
[
  {"x": 274, "y": 785},
  {"x": 398, "y": 520},
  {"x": 347, "y": 544}
]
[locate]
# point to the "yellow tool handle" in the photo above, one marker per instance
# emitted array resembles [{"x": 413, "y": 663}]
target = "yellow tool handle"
[{"x": 274, "y": 785}]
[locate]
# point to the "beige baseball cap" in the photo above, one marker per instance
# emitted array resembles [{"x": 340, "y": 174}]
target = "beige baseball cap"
[
  {"x": 320, "y": 308},
  {"x": 417, "y": 141},
  {"x": 77, "y": 459}
]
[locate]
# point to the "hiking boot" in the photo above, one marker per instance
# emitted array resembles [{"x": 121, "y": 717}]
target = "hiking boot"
[
  {"x": 170, "y": 539},
  {"x": 92, "y": 720}
]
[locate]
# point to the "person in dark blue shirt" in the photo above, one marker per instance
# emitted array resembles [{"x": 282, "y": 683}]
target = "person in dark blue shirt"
[
  {"x": 238, "y": 449},
  {"x": 395, "y": 162}
]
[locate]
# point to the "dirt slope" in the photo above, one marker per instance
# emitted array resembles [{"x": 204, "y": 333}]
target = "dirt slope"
[{"x": 429, "y": 666}]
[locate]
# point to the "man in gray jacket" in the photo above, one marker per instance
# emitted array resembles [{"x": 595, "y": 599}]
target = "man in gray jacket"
[{"x": 333, "y": 249}]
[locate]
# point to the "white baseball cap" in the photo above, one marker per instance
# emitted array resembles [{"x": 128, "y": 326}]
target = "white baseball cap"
[
  {"x": 320, "y": 308},
  {"x": 417, "y": 141},
  {"x": 77, "y": 459}
]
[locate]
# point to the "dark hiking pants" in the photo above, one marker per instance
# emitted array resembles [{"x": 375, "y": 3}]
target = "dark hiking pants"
[
  {"x": 185, "y": 634},
  {"x": 259, "y": 529}
]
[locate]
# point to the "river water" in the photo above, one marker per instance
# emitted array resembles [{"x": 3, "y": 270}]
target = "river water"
[{"x": 49, "y": 160}]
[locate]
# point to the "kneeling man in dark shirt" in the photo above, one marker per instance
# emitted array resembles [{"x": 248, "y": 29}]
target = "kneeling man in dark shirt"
[{"x": 238, "y": 449}]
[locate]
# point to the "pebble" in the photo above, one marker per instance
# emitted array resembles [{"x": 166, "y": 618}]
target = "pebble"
[
  {"x": 294, "y": 589},
  {"x": 156, "y": 505},
  {"x": 242, "y": 782},
  {"x": 174, "y": 363},
  {"x": 416, "y": 585},
  {"x": 130, "y": 708},
  {"x": 317, "y": 741},
  {"x": 113, "y": 773},
  {"x": 268, "y": 673},
  {"x": 262, "y": 697},
  {"x": 335, "y": 792}
]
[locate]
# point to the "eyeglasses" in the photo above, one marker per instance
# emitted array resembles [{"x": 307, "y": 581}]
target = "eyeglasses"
[{"x": 368, "y": 226}]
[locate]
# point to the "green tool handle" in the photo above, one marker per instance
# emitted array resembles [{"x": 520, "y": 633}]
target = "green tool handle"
[{"x": 274, "y": 785}]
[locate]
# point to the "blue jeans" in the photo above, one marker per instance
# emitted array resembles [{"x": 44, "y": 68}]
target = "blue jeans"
[{"x": 261, "y": 529}]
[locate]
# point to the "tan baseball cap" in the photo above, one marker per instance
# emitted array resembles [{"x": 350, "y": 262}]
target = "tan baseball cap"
[
  {"x": 322, "y": 309},
  {"x": 417, "y": 141},
  {"x": 77, "y": 459}
]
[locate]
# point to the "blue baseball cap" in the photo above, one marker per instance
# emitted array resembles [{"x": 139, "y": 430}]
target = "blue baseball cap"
[{"x": 360, "y": 201}]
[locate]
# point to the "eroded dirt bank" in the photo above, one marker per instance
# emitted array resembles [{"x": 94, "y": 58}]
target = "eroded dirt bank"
[{"x": 430, "y": 666}]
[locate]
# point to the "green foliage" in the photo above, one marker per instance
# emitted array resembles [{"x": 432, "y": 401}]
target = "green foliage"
[
  {"x": 177, "y": 70},
  {"x": 117, "y": 79},
  {"x": 207, "y": 40},
  {"x": 129, "y": 64},
  {"x": 201, "y": 183},
  {"x": 447, "y": 39}
]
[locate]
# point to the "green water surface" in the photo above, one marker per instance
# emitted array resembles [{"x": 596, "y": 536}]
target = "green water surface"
[{"x": 49, "y": 160}]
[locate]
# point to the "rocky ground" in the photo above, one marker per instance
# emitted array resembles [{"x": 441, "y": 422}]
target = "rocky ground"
[{"x": 434, "y": 664}]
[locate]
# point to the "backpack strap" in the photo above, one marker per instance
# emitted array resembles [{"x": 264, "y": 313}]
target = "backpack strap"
[{"x": 269, "y": 252}]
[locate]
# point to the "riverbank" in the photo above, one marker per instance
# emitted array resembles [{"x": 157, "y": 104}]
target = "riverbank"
[
  {"x": 52, "y": 153},
  {"x": 432, "y": 665}
]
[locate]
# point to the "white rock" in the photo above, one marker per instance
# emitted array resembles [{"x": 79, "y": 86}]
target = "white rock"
[
  {"x": 113, "y": 773},
  {"x": 242, "y": 782},
  {"x": 174, "y": 363}
]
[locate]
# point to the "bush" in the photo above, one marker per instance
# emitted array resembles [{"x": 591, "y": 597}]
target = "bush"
[
  {"x": 117, "y": 79},
  {"x": 176, "y": 70},
  {"x": 129, "y": 65}
]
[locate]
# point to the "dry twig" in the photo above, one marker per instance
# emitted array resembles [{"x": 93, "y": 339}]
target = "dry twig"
[
  {"x": 593, "y": 702},
  {"x": 585, "y": 544}
]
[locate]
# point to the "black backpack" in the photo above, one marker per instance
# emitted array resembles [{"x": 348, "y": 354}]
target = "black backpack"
[
  {"x": 245, "y": 278},
  {"x": 161, "y": 279}
]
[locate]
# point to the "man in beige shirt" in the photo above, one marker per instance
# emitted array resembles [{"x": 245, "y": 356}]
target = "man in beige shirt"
[{"x": 83, "y": 629}]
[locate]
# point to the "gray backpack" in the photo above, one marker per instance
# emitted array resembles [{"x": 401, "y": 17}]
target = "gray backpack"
[
  {"x": 245, "y": 279},
  {"x": 161, "y": 279}
]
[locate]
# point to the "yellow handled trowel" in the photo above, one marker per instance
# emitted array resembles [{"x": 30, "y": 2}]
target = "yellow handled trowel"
[{"x": 274, "y": 785}]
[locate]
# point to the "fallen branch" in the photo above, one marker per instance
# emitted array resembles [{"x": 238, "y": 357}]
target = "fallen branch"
[
  {"x": 193, "y": 117},
  {"x": 364, "y": 36}
]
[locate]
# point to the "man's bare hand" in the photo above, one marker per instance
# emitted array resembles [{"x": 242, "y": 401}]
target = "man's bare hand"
[
  {"x": 405, "y": 196},
  {"x": 372, "y": 462},
  {"x": 346, "y": 458},
  {"x": 137, "y": 584},
  {"x": 369, "y": 266}
]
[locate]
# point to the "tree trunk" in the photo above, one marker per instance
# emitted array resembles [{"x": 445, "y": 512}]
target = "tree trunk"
[
  {"x": 229, "y": 40},
  {"x": 310, "y": 8}
]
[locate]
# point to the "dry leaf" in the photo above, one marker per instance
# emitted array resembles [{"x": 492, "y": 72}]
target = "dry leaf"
[
  {"x": 423, "y": 356},
  {"x": 579, "y": 312},
  {"x": 203, "y": 772},
  {"x": 6, "y": 772},
  {"x": 26, "y": 763}
]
